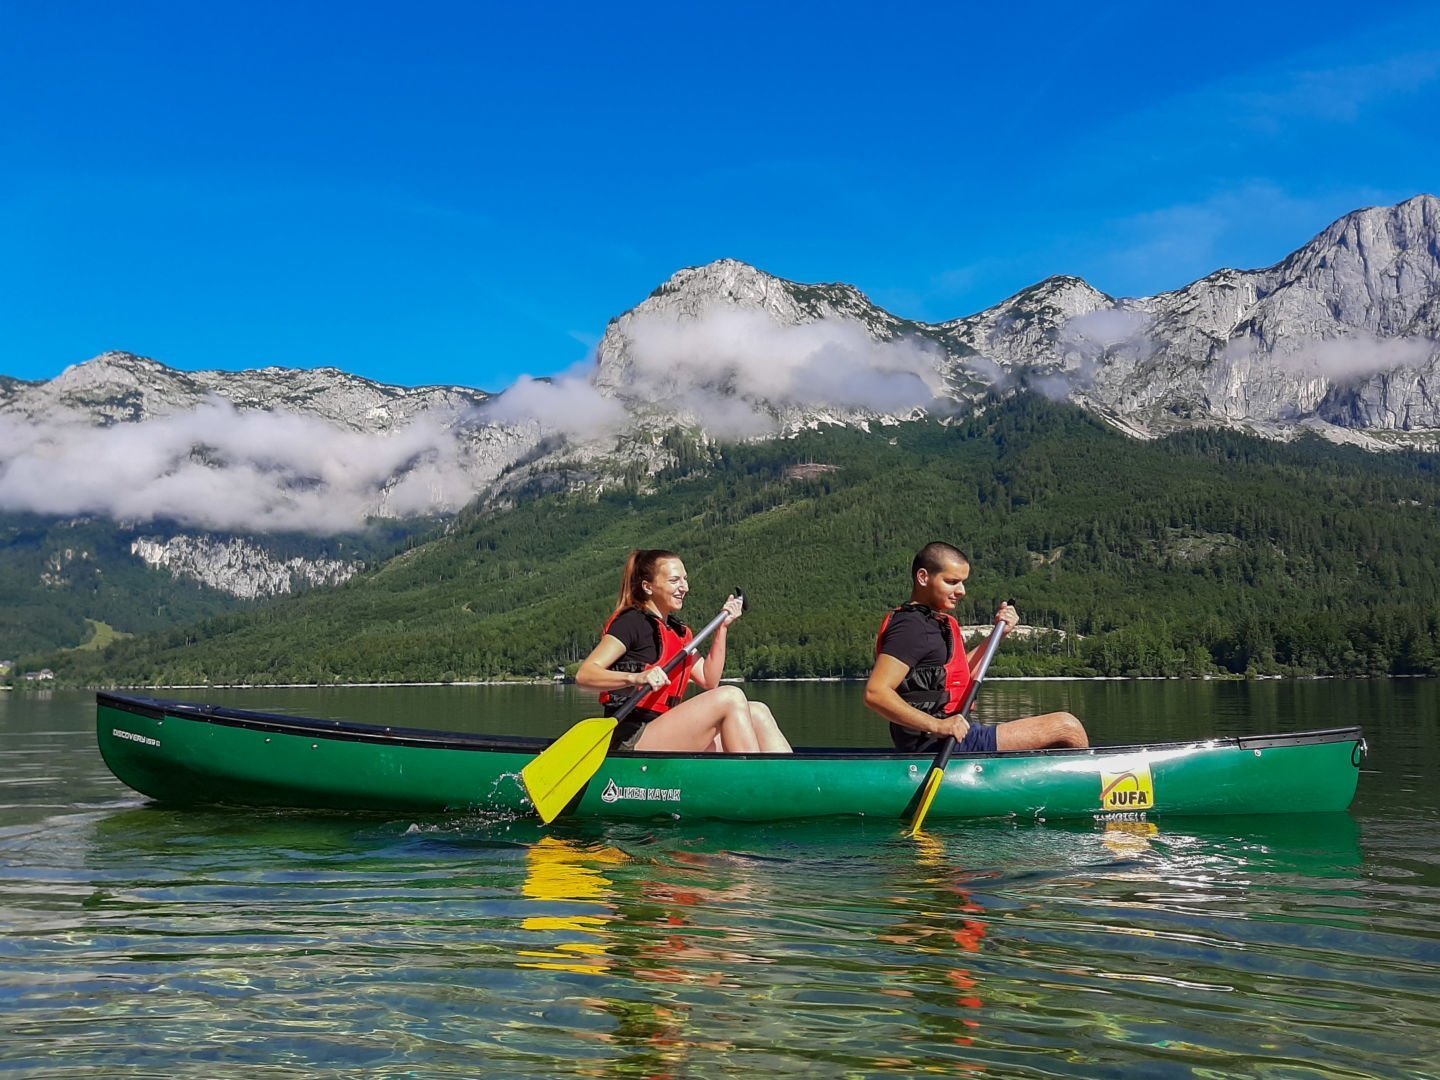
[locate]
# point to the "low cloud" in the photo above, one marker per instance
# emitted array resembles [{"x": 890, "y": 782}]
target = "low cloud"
[
  {"x": 719, "y": 361},
  {"x": 215, "y": 467},
  {"x": 569, "y": 405},
  {"x": 1086, "y": 340},
  {"x": 1356, "y": 356},
  {"x": 1106, "y": 328}
]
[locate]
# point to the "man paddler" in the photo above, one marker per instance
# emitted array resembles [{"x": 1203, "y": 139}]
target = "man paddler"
[{"x": 922, "y": 671}]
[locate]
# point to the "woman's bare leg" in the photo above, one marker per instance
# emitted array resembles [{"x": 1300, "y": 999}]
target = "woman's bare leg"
[
  {"x": 693, "y": 725},
  {"x": 767, "y": 732}
]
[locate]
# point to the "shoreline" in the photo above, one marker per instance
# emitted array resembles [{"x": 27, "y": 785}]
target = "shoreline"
[{"x": 733, "y": 681}]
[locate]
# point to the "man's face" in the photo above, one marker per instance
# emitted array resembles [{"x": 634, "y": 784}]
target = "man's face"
[{"x": 943, "y": 589}]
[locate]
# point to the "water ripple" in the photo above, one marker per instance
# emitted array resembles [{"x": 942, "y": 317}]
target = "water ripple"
[{"x": 142, "y": 942}]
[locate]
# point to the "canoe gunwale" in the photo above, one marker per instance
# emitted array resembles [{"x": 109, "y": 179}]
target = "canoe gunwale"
[{"x": 352, "y": 731}]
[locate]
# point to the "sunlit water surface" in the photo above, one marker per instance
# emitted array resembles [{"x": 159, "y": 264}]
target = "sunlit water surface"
[{"x": 137, "y": 941}]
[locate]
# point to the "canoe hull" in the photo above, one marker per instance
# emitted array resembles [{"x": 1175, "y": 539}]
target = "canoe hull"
[{"x": 208, "y": 755}]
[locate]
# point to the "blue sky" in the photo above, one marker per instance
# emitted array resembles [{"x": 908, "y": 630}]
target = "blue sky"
[{"x": 468, "y": 192}]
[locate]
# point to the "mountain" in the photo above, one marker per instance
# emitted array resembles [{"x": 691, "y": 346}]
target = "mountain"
[
  {"x": 137, "y": 495},
  {"x": 1342, "y": 337},
  {"x": 211, "y": 488}
]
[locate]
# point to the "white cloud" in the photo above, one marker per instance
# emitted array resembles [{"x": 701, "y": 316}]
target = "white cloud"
[
  {"x": 710, "y": 362},
  {"x": 1087, "y": 339},
  {"x": 567, "y": 405},
  {"x": 1355, "y": 356},
  {"x": 218, "y": 468},
  {"x": 1105, "y": 328}
]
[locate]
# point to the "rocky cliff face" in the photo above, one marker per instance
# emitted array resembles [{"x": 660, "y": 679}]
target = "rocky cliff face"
[
  {"x": 237, "y": 566},
  {"x": 1344, "y": 331}
]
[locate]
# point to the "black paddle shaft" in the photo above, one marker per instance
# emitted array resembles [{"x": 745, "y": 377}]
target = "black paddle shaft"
[
  {"x": 670, "y": 665},
  {"x": 943, "y": 758}
]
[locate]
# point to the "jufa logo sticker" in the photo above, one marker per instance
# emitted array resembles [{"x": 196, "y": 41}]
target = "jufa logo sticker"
[{"x": 1130, "y": 788}]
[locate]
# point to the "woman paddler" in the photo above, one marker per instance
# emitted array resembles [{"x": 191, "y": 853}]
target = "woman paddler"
[{"x": 641, "y": 635}]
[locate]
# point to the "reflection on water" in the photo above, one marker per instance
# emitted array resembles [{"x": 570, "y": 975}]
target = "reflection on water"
[
  {"x": 942, "y": 923},
  {"x": 143, "y": 941},
  {"x": 567, "y": 879}
]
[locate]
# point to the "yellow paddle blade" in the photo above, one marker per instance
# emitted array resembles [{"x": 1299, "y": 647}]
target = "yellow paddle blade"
[
  {"x": 566, "y": 765},
  {"x": 927, "y": 796}
]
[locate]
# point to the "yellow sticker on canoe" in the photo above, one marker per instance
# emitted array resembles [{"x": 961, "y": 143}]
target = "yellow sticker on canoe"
[{"x": 1129, "y": 790}]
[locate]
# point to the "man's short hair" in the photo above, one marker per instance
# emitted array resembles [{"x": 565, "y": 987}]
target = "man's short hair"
[{"x": 934, "y": 555}]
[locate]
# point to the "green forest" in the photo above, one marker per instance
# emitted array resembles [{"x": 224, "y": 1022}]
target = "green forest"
[
  {"x": 59, "y": 575},
  {"x": 1204, "y": 553}
]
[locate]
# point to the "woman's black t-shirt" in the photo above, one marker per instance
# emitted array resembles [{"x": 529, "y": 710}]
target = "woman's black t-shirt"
[
  {"x": 636, "y": 631},
  {"x": 633, "y": 629}
]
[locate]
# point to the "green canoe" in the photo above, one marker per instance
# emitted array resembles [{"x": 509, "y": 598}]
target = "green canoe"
[{"x": 208, "y": 754}]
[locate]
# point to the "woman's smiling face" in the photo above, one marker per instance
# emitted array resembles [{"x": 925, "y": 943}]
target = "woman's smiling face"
[{"x": 668, "y": 585}]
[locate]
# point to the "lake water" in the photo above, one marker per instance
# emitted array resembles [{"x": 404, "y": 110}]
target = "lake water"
[{"x": 137, "y": 941}]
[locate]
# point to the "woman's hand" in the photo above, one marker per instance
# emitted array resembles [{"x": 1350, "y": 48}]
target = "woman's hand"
[
  {"x": 653, "y": 677},
  {"x": 734, "y": 608}
]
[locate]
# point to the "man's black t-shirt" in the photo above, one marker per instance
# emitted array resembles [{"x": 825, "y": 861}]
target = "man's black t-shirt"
[{"x": 915, "y": 639}]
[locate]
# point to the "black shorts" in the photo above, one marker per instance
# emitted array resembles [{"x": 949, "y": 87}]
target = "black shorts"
[{"x": 627, "y": 733}]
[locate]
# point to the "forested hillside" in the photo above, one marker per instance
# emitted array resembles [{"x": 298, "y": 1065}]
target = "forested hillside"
[
  {"x": 58, "y": 574},
  {"x": 1206, "y": 552}
]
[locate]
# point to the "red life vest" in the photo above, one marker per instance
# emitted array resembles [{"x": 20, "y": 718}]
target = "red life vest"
[
  {"x": 934, "y": 688},
  {"x": 671, "y": 636}
]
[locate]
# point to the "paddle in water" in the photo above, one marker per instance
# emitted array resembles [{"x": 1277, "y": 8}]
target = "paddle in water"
[
  {"x": 937, "y": 770},
  {"x": 566, "y": 765}
]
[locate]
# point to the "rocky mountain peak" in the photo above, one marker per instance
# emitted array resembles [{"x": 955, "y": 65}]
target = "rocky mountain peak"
[
  {"x": 727, "y": 286},
  {"x": 695, "y": 290},
  {"x": 113, "y": 365},
  {"x": 118, "y": 387},
  {"x": 114, "y": 387},
  {"x": 1343, "y": 331},
  {"x": 1378, "y": 269}
]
